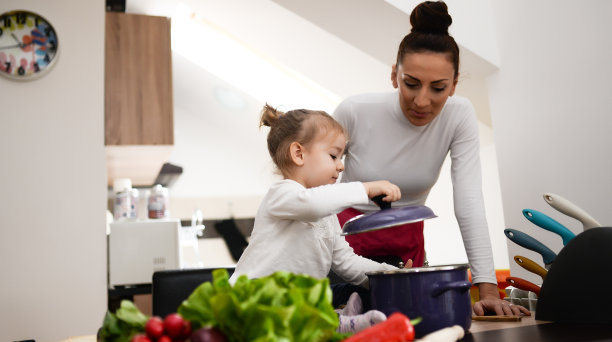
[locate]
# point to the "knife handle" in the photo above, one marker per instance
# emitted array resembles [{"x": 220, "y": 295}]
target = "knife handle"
[
  {"x": 530, "y": 243},
  {"x": 523, "y": 284},
  {"x": 531, "y": 266},
  {"x": 570, "y": 209},
  {"x": 544, "y": 221}
]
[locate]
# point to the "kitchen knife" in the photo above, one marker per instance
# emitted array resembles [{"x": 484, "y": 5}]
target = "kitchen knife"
[
  {"x": 570, "y": 209},
  {"x": 544, "y": 221},
  {"x": 527, "y": 241},
  {"x": 523, "y": 284},
  {"x": 531, "y": 266}
]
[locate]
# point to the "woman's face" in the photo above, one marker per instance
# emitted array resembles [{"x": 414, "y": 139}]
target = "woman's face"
[{"x": 425, "y": 80}]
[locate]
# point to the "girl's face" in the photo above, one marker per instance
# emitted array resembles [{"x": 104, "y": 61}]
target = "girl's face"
[
  {"x": 425, "y": 80},
  {"x": 322, "y": 161}
]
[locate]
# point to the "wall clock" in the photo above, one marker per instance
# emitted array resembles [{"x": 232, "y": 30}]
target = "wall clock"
[{"x": 28, "y": 45}]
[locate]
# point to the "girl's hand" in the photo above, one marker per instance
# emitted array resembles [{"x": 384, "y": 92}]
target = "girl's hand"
[{"x": 391, "y": 191}]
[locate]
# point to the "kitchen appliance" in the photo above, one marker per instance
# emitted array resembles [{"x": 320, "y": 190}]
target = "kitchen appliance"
[
  {"x": 570, "y": 209},
  {"x": 136, "y": 249},
  {"x": 544, "y": 221},
  {"x": 438, "y": 294}
]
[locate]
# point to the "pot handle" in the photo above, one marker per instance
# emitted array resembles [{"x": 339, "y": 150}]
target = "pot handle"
[
  {"x": 440, "y": 288},
  {"x": 382, "y": 204}
]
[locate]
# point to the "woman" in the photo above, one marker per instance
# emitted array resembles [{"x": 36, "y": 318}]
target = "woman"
[{"x": 404, "y": 137}]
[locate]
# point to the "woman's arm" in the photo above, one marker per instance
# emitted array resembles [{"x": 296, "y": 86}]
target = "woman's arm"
[
  {"x": 467, "y": 194},
  {"x": 470, "y": 214}
]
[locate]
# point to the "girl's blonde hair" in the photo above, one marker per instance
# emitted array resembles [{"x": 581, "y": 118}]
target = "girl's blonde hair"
[{"x": 299, "y": 125}]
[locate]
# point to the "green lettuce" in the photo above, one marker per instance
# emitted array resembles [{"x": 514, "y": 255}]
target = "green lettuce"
[
  {"x": 280, "y": 307},
  {"x": 122, "y": 325}
]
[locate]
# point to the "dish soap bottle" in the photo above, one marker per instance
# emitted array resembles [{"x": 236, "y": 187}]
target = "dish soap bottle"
[{"x": 126, "y": 200}]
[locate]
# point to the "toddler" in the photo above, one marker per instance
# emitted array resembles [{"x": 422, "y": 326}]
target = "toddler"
[{"x": 296, "y": 229}]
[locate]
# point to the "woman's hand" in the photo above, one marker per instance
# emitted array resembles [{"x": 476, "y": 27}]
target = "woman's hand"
[
  {"x": 491, "y": 303},
  {"x": 391, "y": 191}
]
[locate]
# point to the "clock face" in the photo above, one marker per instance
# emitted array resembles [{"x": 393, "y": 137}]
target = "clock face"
[{"x": 28, "y": 45}]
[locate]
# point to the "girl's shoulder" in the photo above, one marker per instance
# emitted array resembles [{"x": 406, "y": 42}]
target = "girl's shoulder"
[{"x": 284, "y": 185}]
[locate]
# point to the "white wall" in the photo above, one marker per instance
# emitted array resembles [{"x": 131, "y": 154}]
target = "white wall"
[
  {"x": 53, "y": 181},
  {"x": 550, "y": 105}
]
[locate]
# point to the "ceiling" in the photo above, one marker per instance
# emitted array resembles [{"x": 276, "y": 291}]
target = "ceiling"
[
  {"x": 335, "y": 48},
  {"x": 344, "y": 46}
]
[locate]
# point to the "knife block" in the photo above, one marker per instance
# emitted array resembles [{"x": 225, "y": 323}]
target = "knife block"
[{"x": 575, "y": 289}]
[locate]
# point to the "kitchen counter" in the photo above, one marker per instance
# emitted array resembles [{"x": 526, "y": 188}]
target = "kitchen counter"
[{"x": 528, "y": 329}]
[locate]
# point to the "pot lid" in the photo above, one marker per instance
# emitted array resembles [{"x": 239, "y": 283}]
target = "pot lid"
[
  {"x": 421, "y": 269},
  {"x": 386, "y": 217}
]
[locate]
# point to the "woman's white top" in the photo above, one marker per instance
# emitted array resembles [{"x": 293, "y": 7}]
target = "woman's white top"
[{"x": 383, "y": 144}]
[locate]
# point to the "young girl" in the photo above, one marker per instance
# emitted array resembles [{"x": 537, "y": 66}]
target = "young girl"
[{"x": 296, "y": 229}]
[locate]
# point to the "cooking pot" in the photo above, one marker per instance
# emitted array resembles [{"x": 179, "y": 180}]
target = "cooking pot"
[{"x": 437, "y": 294}]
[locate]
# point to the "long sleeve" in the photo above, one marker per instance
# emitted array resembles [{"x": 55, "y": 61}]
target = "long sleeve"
[
  {"x": 468, "y": 199},
  {"x": 290, "y": 200}
]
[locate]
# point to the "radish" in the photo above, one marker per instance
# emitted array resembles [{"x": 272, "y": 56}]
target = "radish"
[
  {"x": 140, "y": 338},
  {"x": 154, "y": 327},
  {"x": 174, "y": 325}
]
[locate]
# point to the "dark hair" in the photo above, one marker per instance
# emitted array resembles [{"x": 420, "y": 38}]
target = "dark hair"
[
  {"x": 430, "y": 21},
  {"x": 299, "y": 125}
]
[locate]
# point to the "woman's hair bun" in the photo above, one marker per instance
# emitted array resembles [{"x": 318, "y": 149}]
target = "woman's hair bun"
[{"x": 431, "y": 17}]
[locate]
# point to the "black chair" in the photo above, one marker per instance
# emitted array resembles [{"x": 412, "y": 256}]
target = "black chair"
[{"x": 171, "y": 287}]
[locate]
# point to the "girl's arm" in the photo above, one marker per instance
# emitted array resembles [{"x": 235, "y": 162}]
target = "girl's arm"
[{"x": 290, "y": 200}]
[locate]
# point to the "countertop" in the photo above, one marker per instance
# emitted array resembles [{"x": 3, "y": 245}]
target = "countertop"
[{"x": 528, "y": 329}]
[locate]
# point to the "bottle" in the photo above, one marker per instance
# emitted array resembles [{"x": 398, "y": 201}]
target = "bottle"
[
  {"x": 158, "y": 203},
  {"x": 134, "y": 204},
  {"x": 126, "y": 200}
]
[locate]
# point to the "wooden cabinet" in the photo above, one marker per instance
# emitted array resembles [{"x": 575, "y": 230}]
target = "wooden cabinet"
[{"x": 139, "y": 130}]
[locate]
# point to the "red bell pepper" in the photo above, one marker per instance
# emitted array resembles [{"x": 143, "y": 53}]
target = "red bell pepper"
[{"x": 397, "y": 328}]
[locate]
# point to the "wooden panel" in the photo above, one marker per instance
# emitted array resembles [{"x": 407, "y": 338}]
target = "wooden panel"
[
  {"x": 140, "y": 163},
  {"x": 138, "y": 82}
]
